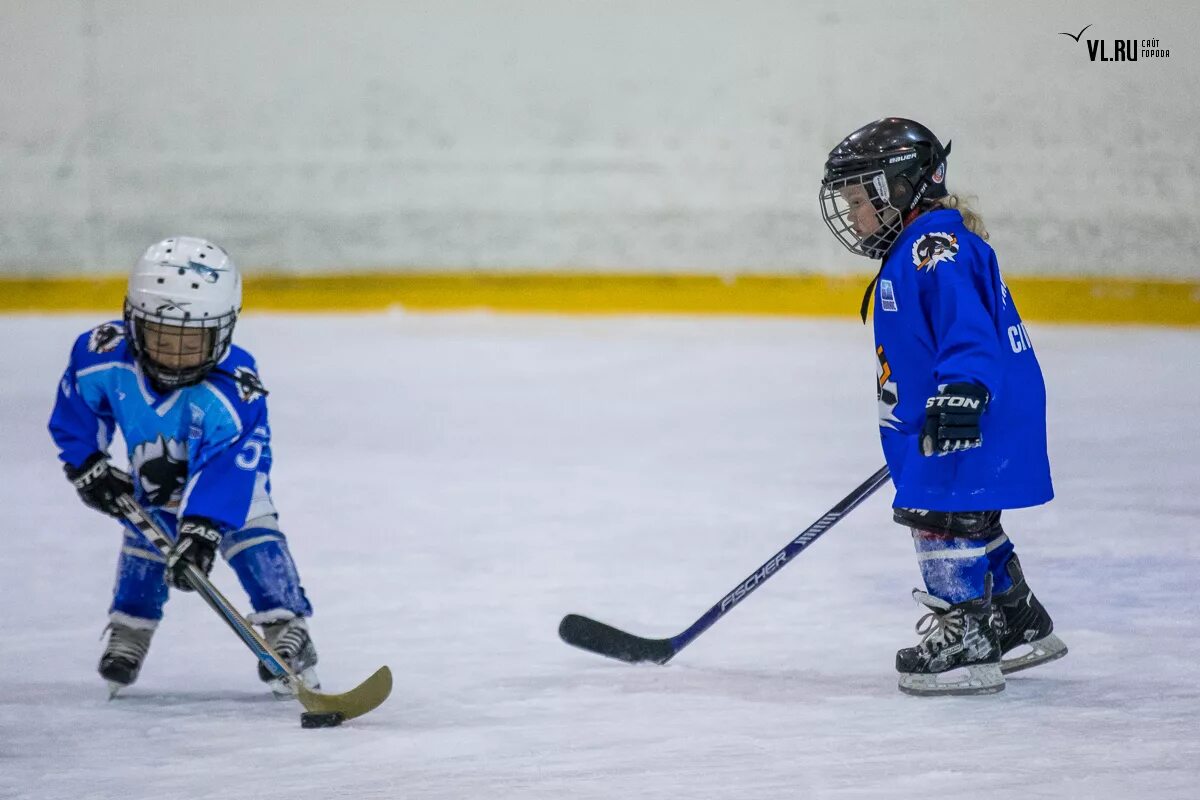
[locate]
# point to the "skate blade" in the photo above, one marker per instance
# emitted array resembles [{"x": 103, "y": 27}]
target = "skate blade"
[
  {"x": 283, "y": 691},
  {"x": 113, "y": 689},
  {"x": 365, "y": 697},
  {"x": 979, "y": 679},
  {"x": 1048, "y": 648}
]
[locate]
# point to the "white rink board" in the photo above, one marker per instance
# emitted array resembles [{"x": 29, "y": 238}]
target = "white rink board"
[
  {"x": 452, "y": 485},
  {"x": 678, "y": 135}
]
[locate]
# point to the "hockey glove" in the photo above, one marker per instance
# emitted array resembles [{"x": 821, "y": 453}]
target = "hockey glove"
[
  {"x": 196, "y": 546},
  {"x": 952, "y": 419},
  {"x": 99, "y": 483}
]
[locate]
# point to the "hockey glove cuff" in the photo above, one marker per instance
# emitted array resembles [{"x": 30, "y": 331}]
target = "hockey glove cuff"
[
  {"x": 952, "y": 419},
  {"x": 99, "y": 483},
  {"x": 196, "y": 546}
]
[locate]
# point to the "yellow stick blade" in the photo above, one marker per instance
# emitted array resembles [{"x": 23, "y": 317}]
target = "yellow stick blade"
[{"x": 365, "y": 697}]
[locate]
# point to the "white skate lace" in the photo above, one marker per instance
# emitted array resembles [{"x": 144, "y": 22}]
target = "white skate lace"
[
  {"x": 127, "y": 644},
  {"x": 939, "y": 626},
  {"x": 937, "y": 630},
  {"x": 291, "y": 642}
]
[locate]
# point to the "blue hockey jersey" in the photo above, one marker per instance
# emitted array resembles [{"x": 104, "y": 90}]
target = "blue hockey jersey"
[
  {"x": 944, "y": 315},
  {"x": 201, "y": 450}
]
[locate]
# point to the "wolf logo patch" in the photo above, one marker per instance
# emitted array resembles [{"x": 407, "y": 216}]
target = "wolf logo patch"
[
  {"x": 161, "y": 466},
  {"x": 249, "y": 387},
  {"x": 934, "y": 248},
  {"x": 105, "y": 338}
]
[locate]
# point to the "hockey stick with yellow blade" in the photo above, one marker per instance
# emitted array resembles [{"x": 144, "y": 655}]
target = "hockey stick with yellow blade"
[{"x": 365, "y": 697}]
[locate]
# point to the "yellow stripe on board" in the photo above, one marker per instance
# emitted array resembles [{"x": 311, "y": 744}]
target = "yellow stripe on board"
[{"x": 1096, "y": 300}]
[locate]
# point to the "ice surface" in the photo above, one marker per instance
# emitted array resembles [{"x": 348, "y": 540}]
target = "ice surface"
[{"x": 453, "y": 484}]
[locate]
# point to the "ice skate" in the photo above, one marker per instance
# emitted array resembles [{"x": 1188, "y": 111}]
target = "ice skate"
[
  {"x": 290, "y": 640},
  {"x": 1025, "y": 629},
  {"x": 959, "y": 652},
  {"x": 123, "y": 655}
]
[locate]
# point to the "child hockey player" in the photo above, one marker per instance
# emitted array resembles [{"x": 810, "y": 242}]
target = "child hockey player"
[
  {"x": 962, "y": 405},
  {"x": 193, "y": 414}
]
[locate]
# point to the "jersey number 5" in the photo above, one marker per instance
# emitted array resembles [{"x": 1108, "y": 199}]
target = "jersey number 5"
[{"x": 251, "y": 452}]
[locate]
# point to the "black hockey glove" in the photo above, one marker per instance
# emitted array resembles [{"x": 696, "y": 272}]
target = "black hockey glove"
[
  {"x": 952, "y": 419},
  {"x": 99, "y": 483},
  {"x": 195, "y": 546}
]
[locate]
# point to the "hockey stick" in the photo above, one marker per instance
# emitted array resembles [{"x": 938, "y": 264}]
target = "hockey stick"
[
  {"x": 588, "y": 634},
  {"x": 365, "y": 697}
]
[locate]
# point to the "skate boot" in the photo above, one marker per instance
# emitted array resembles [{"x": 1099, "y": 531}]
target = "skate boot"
[
  {"x": 123, "y": 655},
  {"x": 1025, "y": 629},
  {"x": 290, "y": 640},
  {"x": 957, "y": 638}
]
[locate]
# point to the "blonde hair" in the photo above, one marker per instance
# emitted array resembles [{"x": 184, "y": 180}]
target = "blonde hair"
[{"x": 964, "y": 205}]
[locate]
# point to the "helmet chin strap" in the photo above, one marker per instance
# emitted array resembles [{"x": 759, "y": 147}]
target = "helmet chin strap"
[
  {"x": 165, "y": 380},
  {"x": 866, "y": 301}
]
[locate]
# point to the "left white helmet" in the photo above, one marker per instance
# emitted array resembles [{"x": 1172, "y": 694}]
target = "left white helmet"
[{"x": 183, "y": 300}]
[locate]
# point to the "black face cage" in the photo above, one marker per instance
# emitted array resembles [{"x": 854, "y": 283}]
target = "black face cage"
[
  {"x": 219, "y": 335},
  {"x": 836, "y": 212}
]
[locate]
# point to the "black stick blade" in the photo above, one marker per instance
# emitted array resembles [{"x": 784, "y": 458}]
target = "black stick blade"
[{"x": 596, "y": 637}]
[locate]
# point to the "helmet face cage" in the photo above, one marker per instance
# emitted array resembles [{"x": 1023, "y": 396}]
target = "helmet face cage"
[
  {"x": 177, "y": 352},
  {"x": 900, "y": 165},
  {"x": 836, "y": 211}
]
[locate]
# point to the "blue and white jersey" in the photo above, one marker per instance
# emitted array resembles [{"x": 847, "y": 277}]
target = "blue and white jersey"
[
  {"x": 944, "y": 315},
  {"x": 201, "y": 450}
]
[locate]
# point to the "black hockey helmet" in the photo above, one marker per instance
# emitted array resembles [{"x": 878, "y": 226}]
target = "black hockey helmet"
[{"x": 899, "y": 164}]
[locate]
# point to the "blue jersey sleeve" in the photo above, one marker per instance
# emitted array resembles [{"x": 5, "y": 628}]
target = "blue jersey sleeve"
[
  {"x": 229, "y": 448},
  {"x": 960, "y": 308},
  {"x": 81, "y": 423}
]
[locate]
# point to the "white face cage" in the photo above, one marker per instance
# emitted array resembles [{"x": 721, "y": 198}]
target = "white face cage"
[
  {"x": 837, "y": 209},
  {"x": 174, "y": 352}
]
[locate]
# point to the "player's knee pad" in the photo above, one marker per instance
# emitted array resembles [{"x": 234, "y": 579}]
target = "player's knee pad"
[
  {"x": 140, "y": 590},
  {"x": 955, "y": 567},
  {"x": 258, "y": 553}
]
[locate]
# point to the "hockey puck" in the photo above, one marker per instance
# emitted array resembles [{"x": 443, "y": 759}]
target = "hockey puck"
[{"x": 316, "y": 719}]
